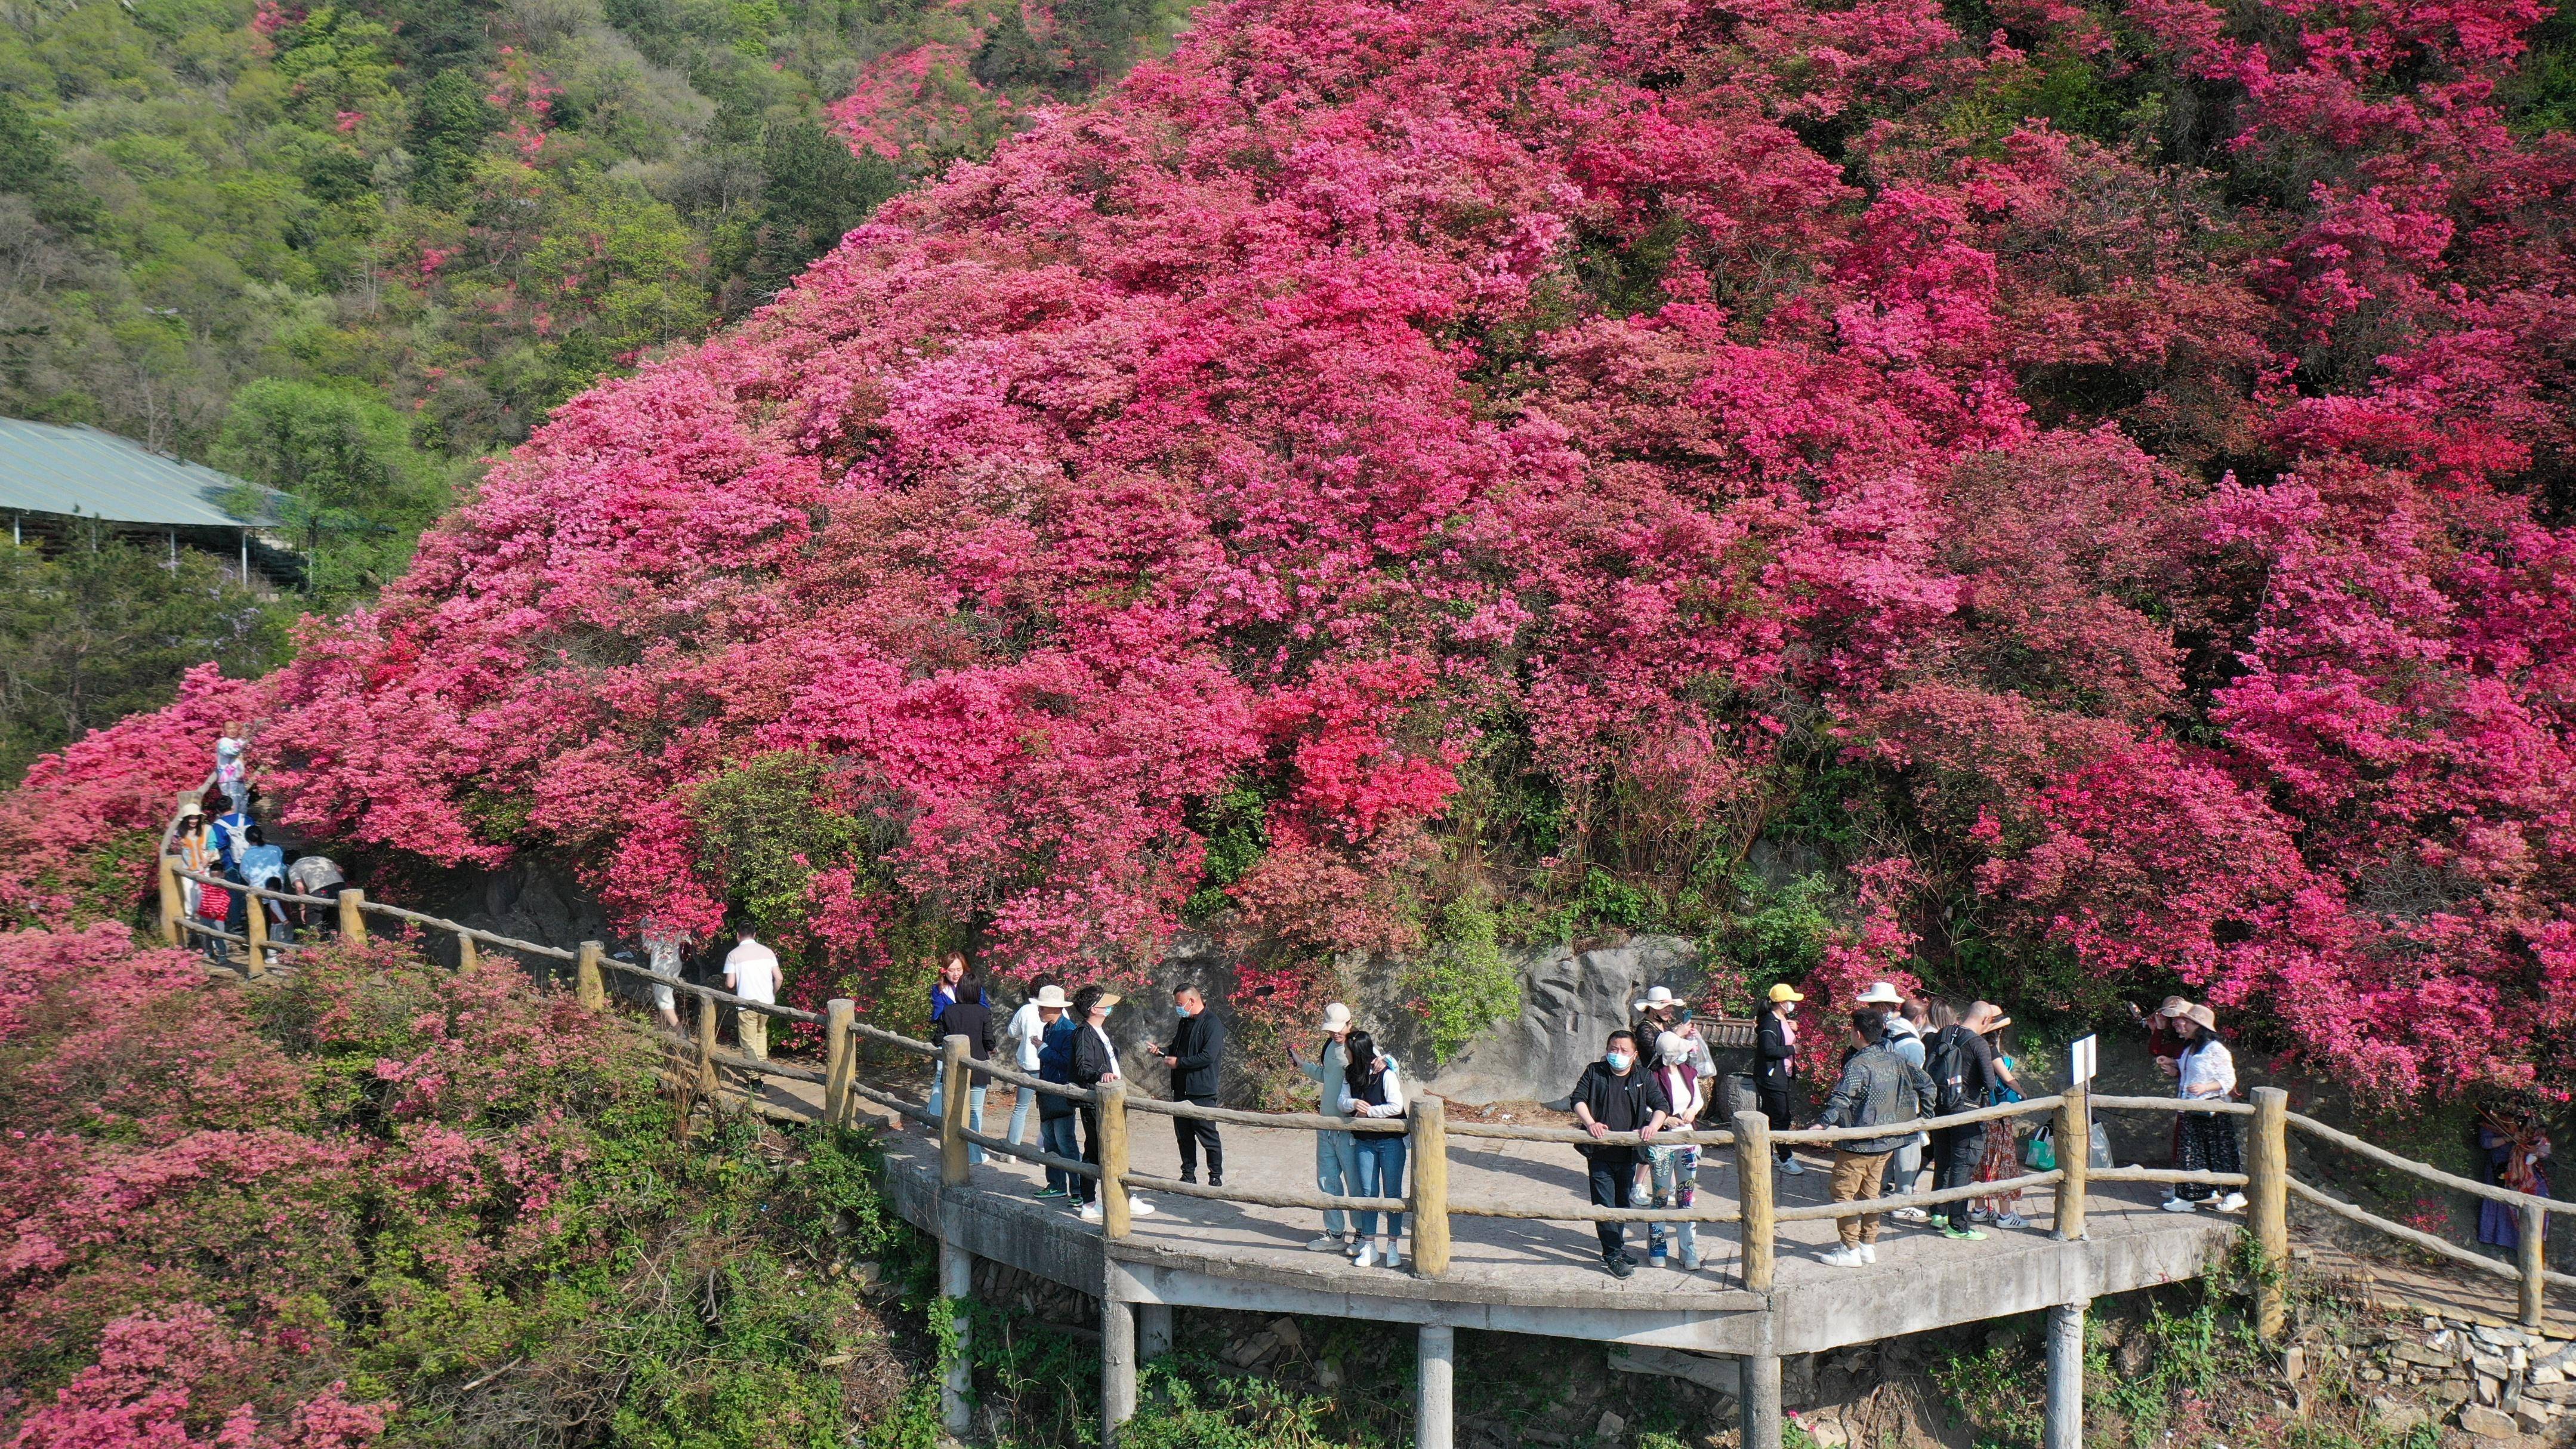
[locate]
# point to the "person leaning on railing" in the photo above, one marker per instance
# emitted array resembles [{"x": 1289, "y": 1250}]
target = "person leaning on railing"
[
  {"x": 1056, "y": 1031},
  {"x": 1617, "y": 1094},
  {"x": 1095, "y": 1064},
  {"x": 1878, "y": 1088}
]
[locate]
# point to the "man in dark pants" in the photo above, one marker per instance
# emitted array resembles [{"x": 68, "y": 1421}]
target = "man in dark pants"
[
  {"x": 1776, "y": 1044},
  {"x": 1617, "y": 1095},
  {"x": 1192, "y": 1055},
  {"x": 1961, "y": 1064}
]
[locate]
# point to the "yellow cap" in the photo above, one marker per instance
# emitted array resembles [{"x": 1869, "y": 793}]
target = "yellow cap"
[{"x": 1785, "y": 992}]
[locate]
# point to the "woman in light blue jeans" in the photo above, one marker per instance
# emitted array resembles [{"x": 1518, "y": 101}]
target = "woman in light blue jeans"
[
  {"x": 1337, "y": 1158},
  {"x": 1373, "y": 1088}
]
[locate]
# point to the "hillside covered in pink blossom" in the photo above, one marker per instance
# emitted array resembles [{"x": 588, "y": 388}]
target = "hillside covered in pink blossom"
[{"x": 2107, "y": 463}]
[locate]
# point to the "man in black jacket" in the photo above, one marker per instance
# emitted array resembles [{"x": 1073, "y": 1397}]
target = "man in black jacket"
[
  {"x": 1192, "y": 1055},
  {"x": 1617, "y": 1094}
]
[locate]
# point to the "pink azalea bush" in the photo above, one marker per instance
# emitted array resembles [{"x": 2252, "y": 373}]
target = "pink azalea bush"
[{"x": 1562, "y": 435}]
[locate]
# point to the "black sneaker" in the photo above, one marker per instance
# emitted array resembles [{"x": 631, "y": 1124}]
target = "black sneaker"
[
  {"x": 1215, "y": 1181},
  {"x": 1620, "y": 1265}
]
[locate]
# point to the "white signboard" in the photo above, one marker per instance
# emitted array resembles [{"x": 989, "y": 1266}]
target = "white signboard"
[{"x": 2080, "y": 1062}]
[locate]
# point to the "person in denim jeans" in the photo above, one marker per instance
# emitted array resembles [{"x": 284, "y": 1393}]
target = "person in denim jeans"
[
  {"x": 1337, "y": 1162},
  {"x": 1056, "y": 1135},
  {"x": 1372, "y": 1087},
  {"x": 1673, "y": 1168}
]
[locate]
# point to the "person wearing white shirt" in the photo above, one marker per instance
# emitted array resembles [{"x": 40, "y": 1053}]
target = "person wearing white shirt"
[
  {"x": 2206, "y": 1072},
  {"x": 751, "y": 972},
  {"x": 1373, "y": 1087},
  {"x": 1023, "y": 1034}
]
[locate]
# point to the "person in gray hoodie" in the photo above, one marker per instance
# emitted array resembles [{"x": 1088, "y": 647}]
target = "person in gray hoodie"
[
  {"x": 1878, "y": 1088},
  {"x": 1337, "y": 1156}
]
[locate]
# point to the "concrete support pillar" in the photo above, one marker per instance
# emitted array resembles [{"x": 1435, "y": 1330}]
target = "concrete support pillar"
[
  {"x": 1434, "y": 1403},
  {"x": 957, "y": 1283},
  {"x": 2066, "y": 1376},
  {"x": 1117, "y": 1366},
  {"x": 1153, "y": 1331},
  {"x": 1760, "y": 1402}
]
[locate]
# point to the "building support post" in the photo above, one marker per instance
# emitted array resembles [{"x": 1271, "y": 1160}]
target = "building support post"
[
  {"x": 469, "y": 956},
  {"x": 2065, "y": 1428},
  {"x": 587, "y": 986},
  {"x": 839, "y": 1061},
  {"x": 1430, "y": 1187},
  {"x": 1434, "y": 1401},
  {"x": 353, "y": 917},
  {"x": 2074, "y": 1133},
  {"x": 1759, "y": 1375},
  {"x": 255, "y": 932},
  {"x": 2267, "y": 1208},
  {"x": 1753, "y": 1193},
  {"x": 174, "y": 901},
  {"x": 1153, "y": 1331},
  {"x": 1117, "y": 1365},
  {"x": 2531, "y": 1259},
  {"x": 957, "y": 1380}
]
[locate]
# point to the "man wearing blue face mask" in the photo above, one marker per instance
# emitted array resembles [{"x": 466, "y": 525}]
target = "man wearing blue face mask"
[
  {"x": 1191, "y": 1056},
  {"x": 1617, "y": 1095}
]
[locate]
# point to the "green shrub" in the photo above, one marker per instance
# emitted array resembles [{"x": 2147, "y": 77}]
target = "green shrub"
[{"x": 1462, "y": 985}]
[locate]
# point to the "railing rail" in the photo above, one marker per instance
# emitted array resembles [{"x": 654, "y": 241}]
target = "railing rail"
[{"x": 1428, "y": 1205}]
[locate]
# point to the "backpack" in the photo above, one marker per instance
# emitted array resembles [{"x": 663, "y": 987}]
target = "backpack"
[{"x": 1946, "y": 1063}]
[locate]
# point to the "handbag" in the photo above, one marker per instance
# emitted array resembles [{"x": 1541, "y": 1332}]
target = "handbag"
[{"x": 2039, "y": 1154}]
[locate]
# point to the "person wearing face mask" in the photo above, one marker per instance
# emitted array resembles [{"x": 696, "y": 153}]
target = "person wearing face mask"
[
  {"x": 1191, "y": 1055},
  {"x": 1617, "y": 1094},
  {"x": 1337, "y": 1164},
  {"x": 1776, "y": 1044}
]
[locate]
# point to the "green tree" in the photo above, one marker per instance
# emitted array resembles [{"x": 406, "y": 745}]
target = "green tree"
[
  {"x": 813, "y": 191},
  {"x": 105, "y": 628},
  {"x": 358, "y": 492},
  {"x": 449, "y": 120}
]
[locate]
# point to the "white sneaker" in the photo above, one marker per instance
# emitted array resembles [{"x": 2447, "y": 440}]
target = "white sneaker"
[
  {"x": 1792, "y": 1168},
  {"x": 2234, "y": 1202},
  {"x": 1869, "y": 1252},
  {"x": 1139, "y": 1207},
  {"x": 1393, "y": 1256},
  {"x": 1329, "y": 1243},
  {"x": 1843, "y": 1258},
  {"x": 1911, "y": 1215},
  {"x": 2012, "y": 1220},
  {"x": 2181, "y": 1205},
  {"x": 1690, "y": 1260},
  {"x": 1091, "y": 1212},
  {"x": 1367, "y": 1257}
]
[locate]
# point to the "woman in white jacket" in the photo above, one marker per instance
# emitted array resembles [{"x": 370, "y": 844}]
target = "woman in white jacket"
[
  {"x": 2206, "y": 1072},
  {"x": 1024, "y": 1034},
  {"x": 1374, "y": 1088}
]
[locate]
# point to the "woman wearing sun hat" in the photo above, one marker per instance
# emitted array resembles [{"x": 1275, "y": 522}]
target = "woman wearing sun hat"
[
  {"x": 1337, "y": 1155},
  {"x": 2206, "y": 1073},
  {"x": 1776, "y": 1044}
]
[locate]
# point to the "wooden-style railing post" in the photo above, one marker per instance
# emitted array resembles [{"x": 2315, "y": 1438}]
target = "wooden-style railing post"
[
  {"x": 953, "y": 1053},
  {"x": 1430, "y": 1151},
  {"x": 587, "y": 987},
  {"x": 2074, "y": 1133},
  {"x": 707, "y": 1046},
  {"x": 2533, "y": 1254},
  {"x": 1113, "y": 1159},
  {"x": 353, "y": 916},
  {"x": 2267, "y": 1206},
  {"x": 469, "y": 956},
  {"x": 255, "y": 930},
  {"x": 174, "y": 900},
  {"x": 1753, "y": 1192},
  {"x": 839, "y": 1062}
]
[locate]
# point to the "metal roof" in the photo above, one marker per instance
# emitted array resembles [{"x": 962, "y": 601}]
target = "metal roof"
[{"x": 48, "y": 468}]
